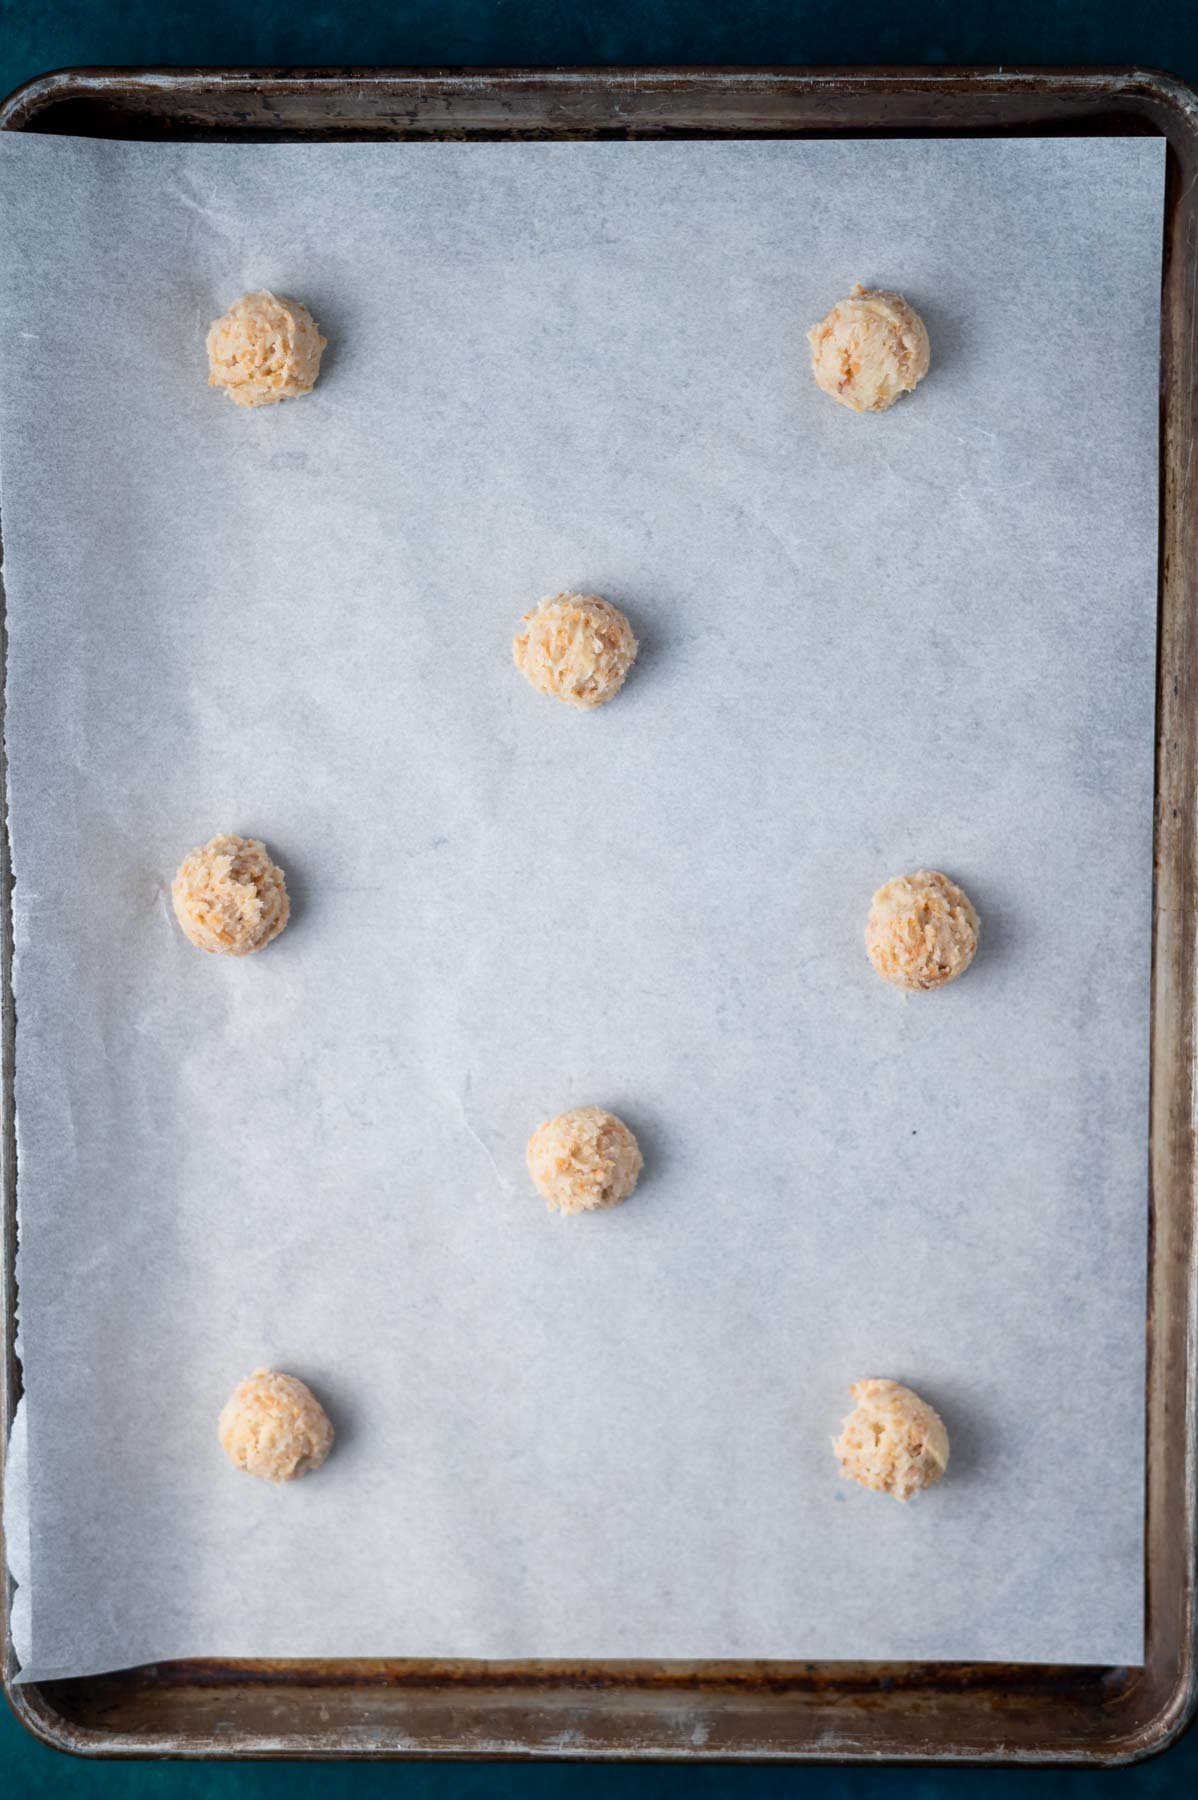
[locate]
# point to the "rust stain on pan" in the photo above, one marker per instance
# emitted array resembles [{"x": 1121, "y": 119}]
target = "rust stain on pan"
[{"x": 862, "y": 1683}]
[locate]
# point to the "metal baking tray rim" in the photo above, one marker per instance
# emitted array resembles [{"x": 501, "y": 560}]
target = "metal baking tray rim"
[{"x": 718, "y": 1712}]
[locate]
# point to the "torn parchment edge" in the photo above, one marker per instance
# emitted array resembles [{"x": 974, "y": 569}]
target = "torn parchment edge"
[{"x": 16, "y": 1537}]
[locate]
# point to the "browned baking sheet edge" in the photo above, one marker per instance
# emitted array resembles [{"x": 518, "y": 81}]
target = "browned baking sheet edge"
[{"x": 808, "y": 1711}]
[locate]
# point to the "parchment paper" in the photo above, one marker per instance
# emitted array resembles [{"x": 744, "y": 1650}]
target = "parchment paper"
[{"x": 869, "y": 644}]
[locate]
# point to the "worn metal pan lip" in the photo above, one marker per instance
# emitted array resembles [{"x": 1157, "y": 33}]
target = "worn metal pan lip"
[
  {"x": 1114, "y": 82},
  {"x": 1129, "y": 1714}
]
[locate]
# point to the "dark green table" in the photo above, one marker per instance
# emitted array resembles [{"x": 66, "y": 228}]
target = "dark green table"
[{"x": 36, "y": 35}]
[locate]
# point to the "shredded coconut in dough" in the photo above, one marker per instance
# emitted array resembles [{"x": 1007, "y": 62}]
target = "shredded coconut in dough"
[
  {"x": 264, "y": 349},
  {"x": 893, "y": 1442},
  {"x": 869, "y": 350},
  {"x": 576, "y": 647},
  {"x": 274, "y": 1427},
  {"x": 229, "y": 897},
  {"x": 583, "y": 1160},
  {"x": 922, "y": 931}
]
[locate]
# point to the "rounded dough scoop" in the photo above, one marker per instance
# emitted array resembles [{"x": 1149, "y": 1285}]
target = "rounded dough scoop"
[
  {"x": 578, "y": 648},
  {"x": 264, "y": 349},
  {"x": 584, "y": 1160},
  {"x": 869, "y": 350},
  {"x": 274, "y": 1427},
  {"x": 922, "y": 931},
  {"x": 892, "y": 1442},
  {"x": 229, "y": 897}
]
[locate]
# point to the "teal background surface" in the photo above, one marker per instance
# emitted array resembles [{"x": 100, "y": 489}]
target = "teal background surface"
[{"x": 36, "y": 35}]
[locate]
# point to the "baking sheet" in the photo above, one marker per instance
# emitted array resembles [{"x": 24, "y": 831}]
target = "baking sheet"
[{"x": 867, "y": 644}]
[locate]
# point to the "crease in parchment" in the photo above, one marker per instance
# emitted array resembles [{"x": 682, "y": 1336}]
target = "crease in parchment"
[{"x": 461, "y": 1100}]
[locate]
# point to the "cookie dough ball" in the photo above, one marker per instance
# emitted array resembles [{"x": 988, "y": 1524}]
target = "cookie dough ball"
[
  {"x": 871, "y": 348},
  {"x": 264, "y": 349},
  {"x": 576, "y": 647},
  {"x": 274, "y": 1427},
  {"x": 892, "y": 1442},
  {"x": 229, "y": 897},
  {"x": 922, "y": 931},
  {"x": 583, "y": 1160}
]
